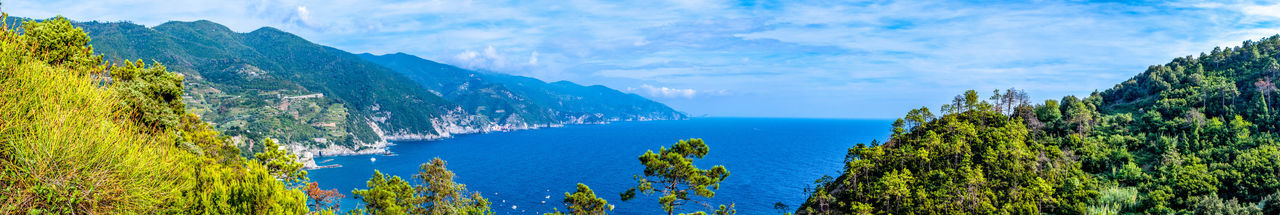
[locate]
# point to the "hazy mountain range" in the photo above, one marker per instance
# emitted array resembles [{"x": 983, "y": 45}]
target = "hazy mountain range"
[{"x": 270, "y": 83}]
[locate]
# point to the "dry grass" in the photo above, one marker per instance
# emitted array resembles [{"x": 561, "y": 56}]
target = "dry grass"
[{"x": 63, "y": 149}]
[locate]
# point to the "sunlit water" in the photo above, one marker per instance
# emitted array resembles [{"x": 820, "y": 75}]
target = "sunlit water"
[{"x": 770, "y": 160}]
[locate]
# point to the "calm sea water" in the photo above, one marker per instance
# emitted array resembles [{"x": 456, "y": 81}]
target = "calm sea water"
[{"x": 770, "y": 160}]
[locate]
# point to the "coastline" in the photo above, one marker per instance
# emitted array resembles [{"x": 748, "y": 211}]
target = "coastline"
[{"x": 307, "y": 155}]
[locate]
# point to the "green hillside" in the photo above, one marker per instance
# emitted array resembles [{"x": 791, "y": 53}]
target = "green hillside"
[
  {"x": 1194, "y": 136},
  {"x": 587, "y": 103},
  {"x": 533, "y": 100},
  {"x": 468, "y": 89},
  {"x": 254, "y": 84},
  {"x": 269, "y": 83}
]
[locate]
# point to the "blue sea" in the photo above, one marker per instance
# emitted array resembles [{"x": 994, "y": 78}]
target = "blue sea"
[{"x": 770, "y": 160}]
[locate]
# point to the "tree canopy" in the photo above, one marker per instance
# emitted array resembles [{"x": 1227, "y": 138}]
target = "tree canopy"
[
  {"x": 584, "y": 202},
  {"x": 1195, "y": 135},
  {"x": 671, "y": 173},
  {"x": 436, "y": 193}
]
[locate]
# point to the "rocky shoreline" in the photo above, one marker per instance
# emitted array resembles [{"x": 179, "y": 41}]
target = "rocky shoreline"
[{"x": 307, "y": 155}]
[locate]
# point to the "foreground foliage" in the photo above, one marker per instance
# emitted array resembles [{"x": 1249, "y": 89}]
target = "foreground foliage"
[
  {"x": 81, "y": 136},
  {"x": 584, "y": 202},
  {"x": 675, "y": 176},
  {"x": 436, "y": 193},
  {"x": 1196, "y": 135},
  {"x": 973, "y": 162}
]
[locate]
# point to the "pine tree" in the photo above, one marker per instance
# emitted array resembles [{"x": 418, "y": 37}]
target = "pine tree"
[
  {"x": 282, "y": 164},
  {"x": 584, "y": 202},
  {"x": 675, "y": 176}
]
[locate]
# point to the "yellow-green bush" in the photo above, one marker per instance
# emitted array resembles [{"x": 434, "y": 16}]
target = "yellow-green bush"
[
  {"x": 63, "y": 150},
  {"x": 71, "y": 144},
  {"x": 241, "y": 190}
]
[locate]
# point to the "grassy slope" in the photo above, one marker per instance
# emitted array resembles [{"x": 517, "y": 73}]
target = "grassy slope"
[{"x": 68, "y": 147}]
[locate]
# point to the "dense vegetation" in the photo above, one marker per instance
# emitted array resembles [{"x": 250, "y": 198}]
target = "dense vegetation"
[
  {"x": 82, "y": 136},
  {"x": 1196, "y": 135},
  {"x": 79, "y": 135},
  {"x": 436, "y": 193},
  {"x": 269, "y": 83},
  {"x": 972, "y": 160},
  {"x": 255, "y": 84},
  {"x": 584, "y": 202}
]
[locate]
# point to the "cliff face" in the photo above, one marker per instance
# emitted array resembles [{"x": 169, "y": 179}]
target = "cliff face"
[{"x": 318, "y": 100}]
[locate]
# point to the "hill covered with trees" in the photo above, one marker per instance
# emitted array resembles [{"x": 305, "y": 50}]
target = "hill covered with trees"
[
  {"x": 517, "y": 98},
  {"x": 1195, "y": 135},
  {"x": 84, "y": 135},
  {"x": 255, "y": 84},
  {"x": 272, "y": 84}
]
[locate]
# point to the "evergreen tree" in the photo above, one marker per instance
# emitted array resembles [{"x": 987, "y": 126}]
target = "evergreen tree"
[
  {"x": 584, "y": 202},
  {"x": 974, "y": 162},
  {"x": 282, "y": 164},
  {"x": 671, "y": 173},
  {"x": 437, "y": 194},
  {"x": 440, "y": 195},
  {"x": 386, "y": 195},
  {"x": 152, "y": 95}
]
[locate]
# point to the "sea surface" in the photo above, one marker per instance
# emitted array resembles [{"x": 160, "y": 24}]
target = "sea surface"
[{"x": 769, "y": 160}]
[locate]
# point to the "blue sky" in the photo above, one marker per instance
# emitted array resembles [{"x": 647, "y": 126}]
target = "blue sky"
[{"x": 821, "y": 59}]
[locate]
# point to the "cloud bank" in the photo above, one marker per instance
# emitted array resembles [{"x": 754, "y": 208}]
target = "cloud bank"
[
  {"x": 664, "y": 92},
  {"x": 852, "y": 59}
]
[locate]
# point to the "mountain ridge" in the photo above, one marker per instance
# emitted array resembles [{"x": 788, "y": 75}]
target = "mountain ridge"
[
  {"x": 565, "y": 100},
  {"x": 320, "y": 100}
]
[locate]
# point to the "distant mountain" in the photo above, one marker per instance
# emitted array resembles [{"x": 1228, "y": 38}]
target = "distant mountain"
[
  {"x": 270, "y": 83},
  {"x": 247, "y": 83},
  {"x": 532, "y": 100}
]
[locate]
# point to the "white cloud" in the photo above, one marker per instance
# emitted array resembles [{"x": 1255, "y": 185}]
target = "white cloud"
[
  {"x": 492, "y": 54},
  {"x": 303, "y": 14},
  {"x": 1272, "y": 11},
  {"x": 1252, "y": 15},
  {"x": 665, "y": 92},
  {"x": 810, "y": 53},
  {"x": 533, "y": 58},
  {"x": 495, "y": 59},
  {"x": 467, "y": 55}
]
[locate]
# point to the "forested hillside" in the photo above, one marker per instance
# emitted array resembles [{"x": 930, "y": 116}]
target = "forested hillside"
[
  {"x": 269, "y": 83},
  {"x": 1196, "y": 135},
  {"x": 512, "y": 98},
  {"x": 84, "y": 135}
]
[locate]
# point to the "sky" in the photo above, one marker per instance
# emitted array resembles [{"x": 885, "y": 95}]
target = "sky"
[{"x": 809, "y": 59}]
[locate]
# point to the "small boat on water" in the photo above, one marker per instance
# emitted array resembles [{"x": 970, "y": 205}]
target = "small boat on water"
[{"x": 373, "y": 159}]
